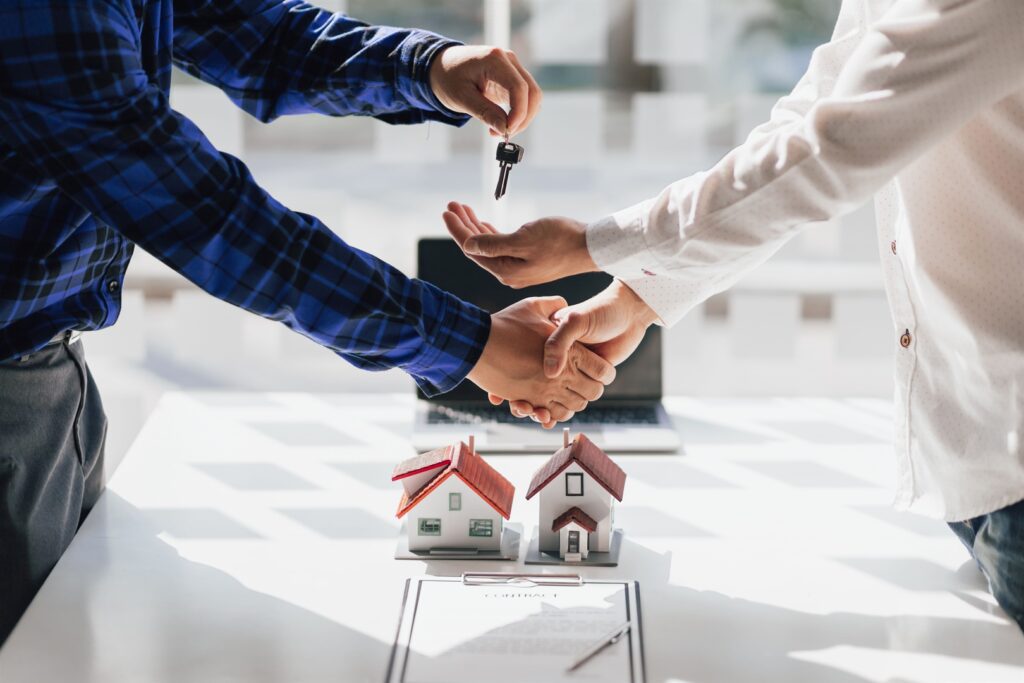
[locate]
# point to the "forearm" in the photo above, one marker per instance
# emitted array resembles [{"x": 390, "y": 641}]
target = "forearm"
[
  {"x": 125, "y": 156},
  {"x": 251, "y": 251},
  {"x": 920, "y": 73},
  {"x": 276, "y": 58}
]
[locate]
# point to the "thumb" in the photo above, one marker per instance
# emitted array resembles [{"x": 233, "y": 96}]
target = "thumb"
[
  {"x": 494, "y": 245},
  {"x": 556, "y": 349},
  {"x": 546, "y": 306}
]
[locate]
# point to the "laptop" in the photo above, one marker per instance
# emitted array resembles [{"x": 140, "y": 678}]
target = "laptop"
[{"x": 628, "y": 418}]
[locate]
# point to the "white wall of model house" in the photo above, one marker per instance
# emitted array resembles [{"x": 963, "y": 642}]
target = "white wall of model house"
[
  {"x": 595, "y": 501},
  {"x": 455, "y": 524}
]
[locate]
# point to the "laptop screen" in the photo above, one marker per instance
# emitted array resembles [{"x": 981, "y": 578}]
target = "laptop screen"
[{"x": 441, "y": 262}]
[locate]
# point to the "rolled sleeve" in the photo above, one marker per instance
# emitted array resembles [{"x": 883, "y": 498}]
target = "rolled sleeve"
[
  {"x": 418, "y": 53},
  {"x": 452, "y": 347},
  {"x": 110, "y": 141}
]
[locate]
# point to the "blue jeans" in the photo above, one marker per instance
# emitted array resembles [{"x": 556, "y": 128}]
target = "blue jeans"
[{"x": 996, "y": 542}]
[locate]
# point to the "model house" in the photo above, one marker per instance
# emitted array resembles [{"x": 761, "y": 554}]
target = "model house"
[
  {"x": 578, "y": 488},
  {"x": 453, "y": 500}
]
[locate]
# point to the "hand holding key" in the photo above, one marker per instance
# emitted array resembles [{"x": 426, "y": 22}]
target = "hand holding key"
[
  {"x": 479, "y": 80},
  {"x": 508, "y": 155}
]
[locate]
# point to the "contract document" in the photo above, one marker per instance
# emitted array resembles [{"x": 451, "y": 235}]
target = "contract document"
[{"x": 454, "y": 632}]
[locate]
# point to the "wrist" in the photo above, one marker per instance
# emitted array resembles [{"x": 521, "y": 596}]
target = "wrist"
[
  {"x": 432, "y": 81},
  {"x": 435, "y": 69},
  {"x": 583, "y": 261},
  {"x": 480, "y": 374},
  {"x": 638, "y": 309}
]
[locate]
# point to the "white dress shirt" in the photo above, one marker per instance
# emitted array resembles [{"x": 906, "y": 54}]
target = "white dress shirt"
[{"x": 921, "y": 104}]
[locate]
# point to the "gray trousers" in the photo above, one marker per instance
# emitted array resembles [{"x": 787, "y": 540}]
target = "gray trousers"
[{"x": 52, "y": 433}]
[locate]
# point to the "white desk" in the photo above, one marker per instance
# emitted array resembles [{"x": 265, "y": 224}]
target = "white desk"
[{"x": 250, "y": 538}]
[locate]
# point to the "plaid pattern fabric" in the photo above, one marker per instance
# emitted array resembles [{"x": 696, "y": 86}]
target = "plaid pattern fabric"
[{"x": 93, "y": 161}]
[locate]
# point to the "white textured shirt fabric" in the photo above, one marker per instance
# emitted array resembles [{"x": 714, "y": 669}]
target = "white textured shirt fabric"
[{"x": 921, "y": 104}]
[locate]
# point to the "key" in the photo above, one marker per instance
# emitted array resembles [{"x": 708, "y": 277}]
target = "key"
[{"x": 509, "y": 154}]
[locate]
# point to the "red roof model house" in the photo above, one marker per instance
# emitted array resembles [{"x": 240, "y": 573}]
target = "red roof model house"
[
  {"x": 578, "y": 488},
  {"x": 454, "y": 500}
]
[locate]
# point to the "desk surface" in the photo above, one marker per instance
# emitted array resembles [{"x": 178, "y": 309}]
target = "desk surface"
[{"x": 250, "y": 538}]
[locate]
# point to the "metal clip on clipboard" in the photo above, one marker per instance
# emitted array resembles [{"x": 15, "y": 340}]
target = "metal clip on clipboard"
[{"x": 522, "y": 580}]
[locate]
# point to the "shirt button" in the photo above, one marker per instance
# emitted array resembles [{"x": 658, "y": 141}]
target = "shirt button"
[
  {"x": 892, "y": 245},
  {"x": 113, "y": 286},
  {"x": 905, "y": 339}
]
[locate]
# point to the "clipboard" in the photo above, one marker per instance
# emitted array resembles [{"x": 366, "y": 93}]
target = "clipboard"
[{"x": 504, "y": 628}]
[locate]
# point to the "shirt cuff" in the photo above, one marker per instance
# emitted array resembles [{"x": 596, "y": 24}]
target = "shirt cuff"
[
  {"x": 417, "y": 54},
  {"x": 670, "y": 299},
  {"x": 452, "y": 347},
  {"x": 617, "y": 245}
]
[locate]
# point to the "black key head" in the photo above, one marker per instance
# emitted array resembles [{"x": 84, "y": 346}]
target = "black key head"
[{"x": 509, "y": 153}]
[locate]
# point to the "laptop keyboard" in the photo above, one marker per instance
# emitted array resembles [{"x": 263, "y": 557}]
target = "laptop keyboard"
[{"x": 468, "y": 415}]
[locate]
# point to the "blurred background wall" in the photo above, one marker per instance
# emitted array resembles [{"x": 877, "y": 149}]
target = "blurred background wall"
[{"x": 638, "y": 93}]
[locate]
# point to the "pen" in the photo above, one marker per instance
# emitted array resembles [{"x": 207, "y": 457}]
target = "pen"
[{"x": 610, "y": 639}]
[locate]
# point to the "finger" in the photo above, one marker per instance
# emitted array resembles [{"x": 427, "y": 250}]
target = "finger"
[
  {"x": 480, "y": 107},
  {"x": 495, "y": 400},
  {"x": 505, "y": 74},
  {"x": 559, "y": 412},
  {"x": 490, "y": 228},
  {"x": 547, "y": 305},
  {"x": 559, "y": 317},
  {"x": 592, "y": 365},
  {"x": 465, "y": 213},
  {"x": 481, "y": 227},
  {"x": 543, "y": 415},
  {"x": 535, "y": 93},
  {"x": 521, "y": 408},
  {"x": 495, "y": 245},
  {"x": 575, "y": 326},
  {"x": 589, "y": 389},
  {"x": 550, "y": 423},
  {"x": 457, "y": 228},
  {"x": 572, "y": 400}
]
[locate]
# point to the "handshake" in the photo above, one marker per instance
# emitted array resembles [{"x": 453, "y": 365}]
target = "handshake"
[{"x": 548, "y": 359}]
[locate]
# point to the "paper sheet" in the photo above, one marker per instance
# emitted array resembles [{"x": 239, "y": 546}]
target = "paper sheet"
[{"x": 509, "y": 634}]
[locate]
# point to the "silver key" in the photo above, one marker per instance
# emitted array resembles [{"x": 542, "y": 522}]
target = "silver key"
[{"x": 509, "y": 154}]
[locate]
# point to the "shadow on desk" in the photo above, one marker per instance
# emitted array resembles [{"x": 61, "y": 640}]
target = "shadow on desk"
[
  {"x": 708, "y": 637},
  {"x": 176, "y": 621},
  {"x": 720, "y": 639}
]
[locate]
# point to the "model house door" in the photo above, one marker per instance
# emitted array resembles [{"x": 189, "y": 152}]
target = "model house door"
[{"x": 574, "y": 542}]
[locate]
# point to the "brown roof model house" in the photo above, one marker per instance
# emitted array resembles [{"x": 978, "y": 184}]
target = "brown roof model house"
[
  {"x": 578, "y": 488},
  {"x": 454, "y": 500}
]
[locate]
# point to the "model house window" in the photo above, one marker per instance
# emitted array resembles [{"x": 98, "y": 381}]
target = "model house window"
[
  {"x": 454, "y": 501},
  {"x": 481, "y": 527},
  {"x": 574, "y": 484},
  {"x": 430, "y": 526}
]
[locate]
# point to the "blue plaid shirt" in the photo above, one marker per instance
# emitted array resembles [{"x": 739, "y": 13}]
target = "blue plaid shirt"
[{"x": 93, "y": 160}]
